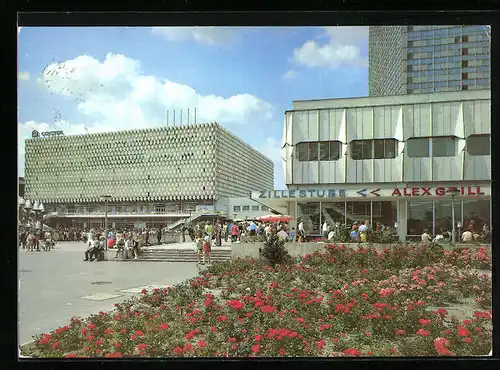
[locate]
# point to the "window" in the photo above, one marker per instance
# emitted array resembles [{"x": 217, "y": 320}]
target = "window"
[
  {"x": 302, "y": 151},
  {"x": 361, "y": 149},
  {"x": 313, "y": 151},
  {"x": 236, "y": 208},
  {"x": 329, "y": 150},
  {"x": 417, "y": 148},
  {"x": 384, "y": 148},
  {"x": 255, "y": 208},
  {"x": 478, "y": 145},
  {"x": 246, "y": 208},
  {"x": 444, "y": 146},
  {"x": 264, "y": 208}
]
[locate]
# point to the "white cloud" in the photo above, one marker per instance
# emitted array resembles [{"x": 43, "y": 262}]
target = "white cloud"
[
  {"x": 115, "y": 95},
  {"x": 202, "y": 35},
  {"x": 342, "y": 48},
  {"x": 272, "y": 149},
  {"x": 23, "y": 76},
  {"x": 290, "y": 74}
]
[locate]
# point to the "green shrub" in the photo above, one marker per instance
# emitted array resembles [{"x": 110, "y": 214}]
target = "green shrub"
[{"x": 274, "y": 251}]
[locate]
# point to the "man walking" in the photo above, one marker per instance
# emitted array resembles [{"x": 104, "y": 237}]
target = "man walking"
[{"x": 158, "y": 236}]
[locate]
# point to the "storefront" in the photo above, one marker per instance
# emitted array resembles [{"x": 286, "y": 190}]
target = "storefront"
[{"x": 410, "y": 208}]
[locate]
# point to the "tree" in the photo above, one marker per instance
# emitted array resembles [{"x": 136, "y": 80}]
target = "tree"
[{"x": 274, "y": 251}]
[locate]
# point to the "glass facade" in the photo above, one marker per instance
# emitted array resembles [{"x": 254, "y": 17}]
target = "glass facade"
[
  {"x": 423, "y": 59},
  {"x": 314, "y": 214}
]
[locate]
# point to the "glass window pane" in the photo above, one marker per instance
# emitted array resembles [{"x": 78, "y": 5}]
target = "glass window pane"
[
  {"x": 324, "y": 151},
  {"x": 309, "y": 214},
  {"x": 379, "y": 148},
  {"x": 236, "y": 208},
  {"x": 417, "y": 148},
  {"x": 255, "y": 208},
  {"x": 246, "y": 208},
  {"x": 313, "y": 151},
  {"x": 335, "y": 149},
  {"x": 356, "y": 149},
  {"x": 302, "y": 151},
  {"x": 478, "y": 145},
  {"x": 264, "y": 208},
  {"x": 419, "y": 218},
  {"x": 443, "y": 147}
]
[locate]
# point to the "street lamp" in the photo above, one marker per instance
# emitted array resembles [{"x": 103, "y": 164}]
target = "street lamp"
[
  {"x": 453, "y": 193},
  {"x": 106, "y": 198}
]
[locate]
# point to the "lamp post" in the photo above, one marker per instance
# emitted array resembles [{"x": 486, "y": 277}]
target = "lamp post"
[
  {"x": 453, "y": 193},
  {"x": 106, "y": 198}
]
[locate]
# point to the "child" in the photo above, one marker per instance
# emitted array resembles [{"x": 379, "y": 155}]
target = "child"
[
  {"x": 199, "y": 248},
  {"x": 206, "y": 249}
]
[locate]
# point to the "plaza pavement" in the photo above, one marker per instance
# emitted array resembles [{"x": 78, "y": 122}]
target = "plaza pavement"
[{"x": 52, "y": 286}]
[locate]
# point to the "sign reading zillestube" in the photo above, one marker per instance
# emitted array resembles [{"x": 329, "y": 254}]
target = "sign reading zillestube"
[{"x": 302, "y": 193}]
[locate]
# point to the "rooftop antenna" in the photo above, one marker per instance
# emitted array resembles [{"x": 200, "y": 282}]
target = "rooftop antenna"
[{"x": 86, "y": 129}]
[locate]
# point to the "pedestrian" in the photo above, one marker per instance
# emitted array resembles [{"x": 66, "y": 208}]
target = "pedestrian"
[
  {"x": 302, "y": 235},
  {"x": 426, "y": 238},
  {"x": 207, "y": 249},
  {"x": 325, "y": 230},
  {"x": 229, "y": 230},
  {"x": 209, "y": 229},
  {"x": 198, "y": 248},
  {"x": 234, "y": 233},
  {"x": 158, "y": 236}
]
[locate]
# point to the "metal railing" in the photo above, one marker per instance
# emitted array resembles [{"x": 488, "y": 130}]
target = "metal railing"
[{"x": 119, "y": 212}]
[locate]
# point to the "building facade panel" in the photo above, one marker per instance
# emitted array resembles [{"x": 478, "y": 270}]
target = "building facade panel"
[
  {"x": 426, "y": 136},
  {"x": 477, "y": 167}
]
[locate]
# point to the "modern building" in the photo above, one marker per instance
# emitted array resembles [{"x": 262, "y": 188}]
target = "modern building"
[
  {"x": 143, "y": 177},
  {"x": 392, "y": 160},
  {"x": 426, "y": 59}
]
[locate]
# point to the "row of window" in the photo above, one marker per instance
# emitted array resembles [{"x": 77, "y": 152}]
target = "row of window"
[
  {"x": 453, "y": 71},
  {"x": 247, "y": 208},
  {"x": 445, "y": 146},
  {"x": 456, "y": 58},
  {"x": 456, "y": 83},
  {"x": 425, "y": 45},
  {"x": 443, "y": 32}
]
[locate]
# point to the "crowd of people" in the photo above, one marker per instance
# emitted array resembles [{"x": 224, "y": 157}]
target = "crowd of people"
[
  {"x": 36, "y": 240},
  {"x": 471, "y": 234}
]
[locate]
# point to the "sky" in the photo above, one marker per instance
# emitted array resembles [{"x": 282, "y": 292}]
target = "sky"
[{"x": 101, "y": 79}]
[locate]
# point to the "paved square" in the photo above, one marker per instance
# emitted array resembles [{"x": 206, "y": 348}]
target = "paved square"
[
  {"x": 101, "y": 296},
  {"x": 52, "y": 285}
]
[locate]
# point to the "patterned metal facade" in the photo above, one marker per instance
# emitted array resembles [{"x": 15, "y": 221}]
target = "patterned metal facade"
[
  {"x": 192, "y": 162},
  {"x": 414, "y": 124}
]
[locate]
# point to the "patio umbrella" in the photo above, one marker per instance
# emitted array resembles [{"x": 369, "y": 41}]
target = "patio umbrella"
[
  {"x": 281, "y": 218},
  {"x": 265, "y": 218}
]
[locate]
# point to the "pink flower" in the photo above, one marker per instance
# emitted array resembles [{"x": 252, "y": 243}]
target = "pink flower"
[
  {"x": 164, "y": 326},
  {"x": 400, "y": 332},
  {"x": 178, "y": 350},
  {"x": 256, "y": 348},
  {"x": 202, "y": 344},
  {"x": 423, "y": 332}
]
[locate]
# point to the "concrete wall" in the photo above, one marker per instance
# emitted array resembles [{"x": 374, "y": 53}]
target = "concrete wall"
[{"x": 244, "y": 250}]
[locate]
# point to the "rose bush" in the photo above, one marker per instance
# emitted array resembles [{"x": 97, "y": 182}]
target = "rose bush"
[{"x": 341, "y": 302}]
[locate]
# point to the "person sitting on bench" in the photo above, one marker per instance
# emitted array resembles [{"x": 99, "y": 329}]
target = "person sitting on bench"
[{"x": 90, "y": 253}]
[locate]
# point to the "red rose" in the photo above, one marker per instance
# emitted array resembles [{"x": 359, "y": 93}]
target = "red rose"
[
  {"x": 202, "y": 344},
  {"x": 400, "y": 332},
  {"x": 91, "y": 326},
  {"x": 139, "y": 333},
  {"x": 178, "y": 350},
  {"x": 463, "y": 332},
  {"x": 141, "y": 347},
  {"x": 164, "y": 326},
  {"x": 352, "y": 352},
  {"x": 423, "y": 332},
  {"x": 467, "y": 340},
  {"x": 117, "y": 345},
  {"x": 214, "y": 329},
  {"x": 256, "y": 348},
  {"x": 90, "y": 337},
  {"x": 424, "y": 322}
]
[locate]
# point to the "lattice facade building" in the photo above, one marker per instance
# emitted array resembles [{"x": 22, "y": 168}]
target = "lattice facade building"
[{"x": 193, "y": 163}]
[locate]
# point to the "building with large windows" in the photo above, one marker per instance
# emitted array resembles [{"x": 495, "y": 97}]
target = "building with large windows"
[
  {"x": 425, "y": 59},
  {"x": 147, "y": 177},
  {"x": 392, "y": 160}
]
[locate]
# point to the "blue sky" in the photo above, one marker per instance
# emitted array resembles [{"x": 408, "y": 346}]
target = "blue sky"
[{"x": 107, "y": 78}]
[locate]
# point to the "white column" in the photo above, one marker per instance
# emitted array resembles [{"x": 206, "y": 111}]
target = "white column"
[{"x": 402, "y": 219}]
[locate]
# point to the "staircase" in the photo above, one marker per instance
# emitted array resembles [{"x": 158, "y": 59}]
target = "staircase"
[
  {"x": 182, "y": 255},
  {"x": 350, "y": 216}
]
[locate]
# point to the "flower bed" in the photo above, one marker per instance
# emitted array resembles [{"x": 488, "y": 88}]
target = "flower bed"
[{"x": 341, "y": 302}]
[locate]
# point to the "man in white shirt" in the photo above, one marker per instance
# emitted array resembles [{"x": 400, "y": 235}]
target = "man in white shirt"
[
  {"x": 363, "y": 227},
  {"x": 467, "y": 237},
  {"x": 426, "y": 238},
  {"x": 301, "y": 231},
  {"x": 282, "y": 235},
  {"x": 325, "y": 229}
]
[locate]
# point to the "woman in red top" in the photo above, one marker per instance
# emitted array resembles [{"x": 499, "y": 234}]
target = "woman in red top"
[{"x": 234, "y": 233}]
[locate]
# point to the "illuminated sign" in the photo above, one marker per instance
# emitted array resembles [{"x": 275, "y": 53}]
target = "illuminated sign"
[{"x": 439, "y": 191}]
